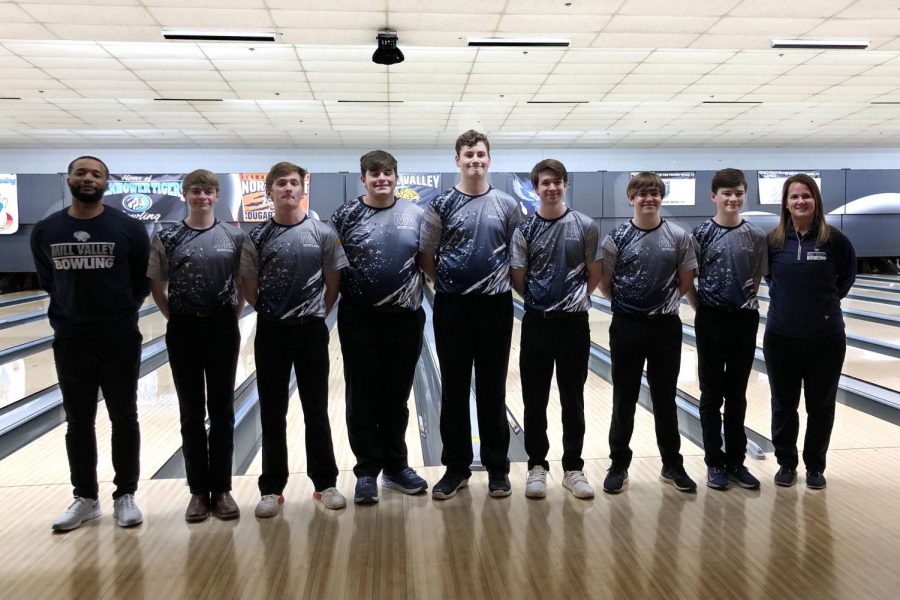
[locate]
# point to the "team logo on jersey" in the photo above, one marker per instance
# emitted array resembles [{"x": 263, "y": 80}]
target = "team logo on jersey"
[
  {"x": 81, "y": 236},
  {"x": 307, "y": 240},
  {"x": 746, "y": 241},
  {"x": 137, "y": 203},
  {"x": 405, "y": 221},
  {"x": 573, "y": 232},
  {"x": 491, "y": 211},
  {"x": 223, "y": 243},
  {"x": 666, "y": 244}
]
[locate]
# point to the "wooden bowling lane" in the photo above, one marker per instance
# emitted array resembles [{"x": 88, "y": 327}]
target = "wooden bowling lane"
[
  {"x": 879, "y": 332},
  {"x": 597, "y": 413},
  {"x": 853, "y": 428},
  {"x": 10, "y": 296},
  {"x": 336, "y": 414},
  {"x": 43, "y": 461},
  {"x": 648, "y": 542},
  {"x": 37, "y": 371},
  {"x": 10, "y": 312},
  {"x": 27, "y": 332}
]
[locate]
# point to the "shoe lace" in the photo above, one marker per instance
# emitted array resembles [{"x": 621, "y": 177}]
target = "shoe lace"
[
  {"x": 537, "y": 475},
  {"x": 577, "y": 477},
  {"x": 77, "y": 501},
  {"x": 126, "y": 502}
]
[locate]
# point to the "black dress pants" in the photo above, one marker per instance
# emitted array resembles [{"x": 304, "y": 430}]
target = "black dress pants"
[
  {"x": 279, "y": 347},
  {"x": 203, "y": 355},
  {"x": 84, "y": 366},
  {"x": 816, "y": 364},
  {"x": 473, "y": 330},
  {"x": 632, "y": 340},
  {"x": 565, "y": 342},
  {"x": 726, "y": 343},
  {"x": 381, "y": 350}
]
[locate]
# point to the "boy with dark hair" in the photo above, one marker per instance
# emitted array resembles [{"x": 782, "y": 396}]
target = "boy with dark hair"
[
  {"x": 194, "y": 276},
  {"x": 731, "y": 260},
  {"x": 380, "y": 323},
  {"x": 291, "y": 270},
  {"x": 648, "y": 264},
  {"x": 92, "y": 260},
  {"x": 555, "y": 265},
  {"x": 466, "y": 233}
]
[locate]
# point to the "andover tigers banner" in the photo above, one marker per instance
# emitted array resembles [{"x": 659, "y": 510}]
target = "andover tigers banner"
[
  {"x": 147, "y": 197},
  {"x": 255, "y": 205}
]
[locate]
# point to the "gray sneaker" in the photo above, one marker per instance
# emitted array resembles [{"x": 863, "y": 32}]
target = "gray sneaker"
[
  {"x": 125, "y": 511},
  {"x": 577, "y": 483},
  {"x": 536, "y": 483},
  {"x": 81, "y": 510}
]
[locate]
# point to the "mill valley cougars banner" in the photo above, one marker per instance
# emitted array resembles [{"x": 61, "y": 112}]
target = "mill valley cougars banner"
[
  {"x": 420, "y": 188},
  {"x": 147, "y": 197}
]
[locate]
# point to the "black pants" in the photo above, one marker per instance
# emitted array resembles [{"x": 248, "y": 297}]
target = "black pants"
[
  {"x": 726, "y": 343},
  {"x": 280, "y": 347},
  {"x": 380, "y": 352},
  {"x": 566, "y": 343},
  {"x": 473, "y": 330},
  {"x": 632, "y": 340},
  {"x": 203, "y": 352},
  {"x": 112, "y": 364},
  {"x": 816, "y": 363}
]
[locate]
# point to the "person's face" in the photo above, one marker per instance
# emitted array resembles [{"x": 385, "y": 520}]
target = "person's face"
[
  {"x": 473, "y": 161},
  {"x": 646, "y": 202},
  {"x": 201, "y": 199},
  {"x": 287, "y": 190},
  {"x": 87, "y": 180},
  {"x": 800, "y": 202},
  {"x": 729, "y": 200},
  {"x": 381, "y": 183},
  {"x": 551, "y": 188}
]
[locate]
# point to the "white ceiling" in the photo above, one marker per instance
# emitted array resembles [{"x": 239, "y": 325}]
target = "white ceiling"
[{"x": 638, "y": 74}]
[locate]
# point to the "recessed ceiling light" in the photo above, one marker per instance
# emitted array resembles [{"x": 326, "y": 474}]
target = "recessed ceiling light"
[
  {"x": 820, "y": 44},
  {"x": 510, "y": 42},
  {"x": 203, "y": 34}
]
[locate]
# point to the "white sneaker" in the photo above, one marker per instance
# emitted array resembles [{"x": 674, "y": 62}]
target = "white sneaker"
[
  {"x": 577, "y": 483},
  {"x": 268, "y": 505},
  {"x": 331, "y": 498},
  {"x": 126, "y": 512},
  {"x": 536, "y": 484},
  {"x": 81, "y": 510}
]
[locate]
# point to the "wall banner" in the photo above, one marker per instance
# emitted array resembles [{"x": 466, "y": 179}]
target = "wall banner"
[
  {"x": 147, "y": 197},
  {"x": 9, "y": 204},
  {"x": 680, "y": 187},
  {"x": 420, "y": 188},
  {"x": 772, "y": 182},
  {"x": 256, "y": 207}
]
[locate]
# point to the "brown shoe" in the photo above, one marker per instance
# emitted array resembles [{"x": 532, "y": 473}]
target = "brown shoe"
[
  {"x": 198, "y": 508},
  {"x": 225, "y": 507}
]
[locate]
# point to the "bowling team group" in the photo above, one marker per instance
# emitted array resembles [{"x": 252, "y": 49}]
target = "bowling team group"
[{"x": 98, "y": 266}]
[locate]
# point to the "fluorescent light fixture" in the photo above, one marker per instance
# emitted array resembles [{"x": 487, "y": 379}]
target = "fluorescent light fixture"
[
  {"x": 202, "y": 34},
  {"x": 820, "y": 44},
  {"x": 509, "y": 42}
]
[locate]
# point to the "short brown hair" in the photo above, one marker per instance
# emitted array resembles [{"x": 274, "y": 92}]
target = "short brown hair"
[
  {"x": 201, "y": 178},
  {"x": 470, "y": 138},
  {"x": 645, "y": 181},
  {"x": 377, "y": 160},
  {"x": 728, "y": 178},
  {"x": 552, "y": 165},
  {"x": 280, "y": 170}
]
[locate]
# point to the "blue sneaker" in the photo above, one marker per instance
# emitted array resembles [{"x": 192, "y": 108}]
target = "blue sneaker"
[
  {"x": 406, "y": 481},
  {"x": 366, "y": 490},
  {"x": 741, "y": 476},
  {"x": 716, "y": 478}
]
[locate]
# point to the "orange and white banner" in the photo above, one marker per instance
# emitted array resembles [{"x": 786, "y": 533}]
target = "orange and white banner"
[{"x": 256, "y": 206}]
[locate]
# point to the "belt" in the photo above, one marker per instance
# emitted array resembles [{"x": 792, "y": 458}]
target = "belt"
[
  {"x": 217, "y": 311},
  {"x": 556, "y": 314}
]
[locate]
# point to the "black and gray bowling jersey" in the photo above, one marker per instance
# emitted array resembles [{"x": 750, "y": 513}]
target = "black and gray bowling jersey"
[
  {"x": 470, "y": 235},
  {"x": 645, "y": 265},
  {"x": 199, "y": 264},
  {"x": 290, "y": 263},
  {"x": 554, "y": 254},
  {"x": 728, "y": 259},
  {"x": 381, "y": 246}
]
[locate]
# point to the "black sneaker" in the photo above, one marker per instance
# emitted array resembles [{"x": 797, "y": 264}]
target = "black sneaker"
[
  {"x": 498, "y": 484},
  {"x": 785, "y": 477},
  {"x": 677, "y": 477},
  {"x": 815, "y": 480},
  {"x": 406, "y": 481},
  {"x": 615, "y": 481},
  {"x": 741, "y": 476},
  {"x": 366, "y": 490},
  {"x": 449, "y": 484}
]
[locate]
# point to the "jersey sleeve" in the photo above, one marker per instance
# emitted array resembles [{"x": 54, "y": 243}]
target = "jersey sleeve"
[
  {"x": 610, "y": 253},
  {"x": 687, "y": 257},
  {"x": 430, "y": 233},
  {"x": 41, "y": 261},
  {"x": 592, "y": 249},
  {"x": 138, "y": 259},
  {"x": 249, "y": 259},
  {"x": 518, "y": 251},
  {"x": 158, "y": 264},
  {"x": 760, "y": 254},
  {"x": 334, "y": 258}
]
